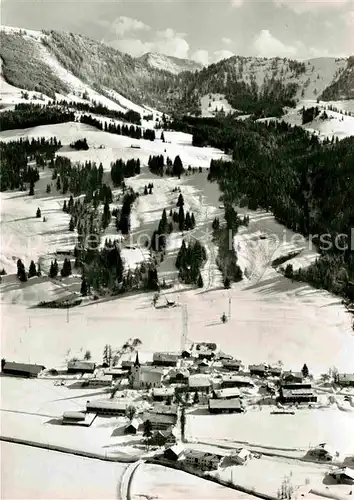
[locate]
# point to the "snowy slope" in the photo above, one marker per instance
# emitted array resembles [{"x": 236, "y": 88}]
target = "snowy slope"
[{"x": 170, "y": 64}]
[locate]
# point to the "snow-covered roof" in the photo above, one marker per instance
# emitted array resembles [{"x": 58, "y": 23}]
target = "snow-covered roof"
[{"x": 199, "y": 381}]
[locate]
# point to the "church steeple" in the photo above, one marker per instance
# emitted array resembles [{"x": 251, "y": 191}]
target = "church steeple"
[{"x": 137, "y": 362}]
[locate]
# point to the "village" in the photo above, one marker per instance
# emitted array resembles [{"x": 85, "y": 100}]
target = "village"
[{"x": 151, "y": 397}]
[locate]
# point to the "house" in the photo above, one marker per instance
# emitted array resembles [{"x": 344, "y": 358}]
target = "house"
[
  {"x": 179, "y": 376},
  {"x": 203, "y": 366},
  {"x": 165, "y": 409},
  {"x": 295, "y": 385},
  {"x": 224, "y": 356},
  {"x": 163, "y": 393},
  {"x": 232, "y": 364},
  {"x": 323, "y": 452},
  {"x": 145, "y": 377},
  {"x": 275, "y": 371},
  {"x": 199, "y": 383},
  {"x": 240, "y": 457},
  {"x": 295, "y": 377},
  {"x": 258, "y": 370},
  {"x": 174, "y": 452},
  {"x": 160, "y": 421},
  {"x": 73, "y": 417},
  {"x": 133, "y": 426},
  {"x": 345, "y": 379},
  {"x": 202, "y": 460},
  {"x": 236, "y": 381},
  {"x": 225, "y": 406},
  {"x": 206, "y": 354},
  {"x": 112, "y": 407},
  {"x": 76, "y": 366},
  {"x": 343, "y": 475},
  {"x": 164, "y": 359},
  {"x": 301, "y": 395},
  {"x": 127, "y": 364},
  {"x": 103, "y": 381},
  {"x": 161, "y": 438},
  {"x": 25, "y": 370},
  {"x": 116, "y": 373},
  {"x": 229, "y": 393}
]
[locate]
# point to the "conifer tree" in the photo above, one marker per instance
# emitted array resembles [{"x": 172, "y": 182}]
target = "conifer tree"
[
  {"x": 48, "y": 190},
  {"x": 181, "y": 221},
  {"x": 66, "y": 269},
  {"x": 31, "y": 189},
  {"x": 38, "y": 213},
  {"x": 200, "y": 282},
  {"x": 305, "y": 371},
  {"x": 180, "y": 201},
  {"x": 145, "y": 190},
  {"x": 71, "y": 224},
  {"x": 32, "y": 271},
  {"x": 65, "y": 208},
  {"x": 177, "y": 168},
  {"x": 58, "y": 184},
  {"x": 84, "y": 287}
]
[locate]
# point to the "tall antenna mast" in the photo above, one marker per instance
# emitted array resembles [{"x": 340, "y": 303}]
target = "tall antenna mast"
[{"x": 185, "y": 327}]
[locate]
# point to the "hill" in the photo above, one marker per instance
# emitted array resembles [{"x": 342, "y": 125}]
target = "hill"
[{"x": 170, "y": 64}]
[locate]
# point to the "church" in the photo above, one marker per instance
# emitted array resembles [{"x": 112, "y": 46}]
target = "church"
[{"x": 145, "y": 377}]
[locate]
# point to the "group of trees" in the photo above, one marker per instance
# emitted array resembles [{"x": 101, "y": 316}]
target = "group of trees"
[
  {"x": 97, "y": 108},
  {"x": 121, "y": 170},
  {"x": 291, "y": 173},
  {"x": 135, "y": 132},
  {"x": 32, "y": 270},
  {"x": 309, "y": 114},
  {"x": 80, "y": 145},
  {"x": 15, "y": 158},
  {"x": 189, "y": 262},
  {"x": 158, "y": 166},
  {"x": 26, "y": 115},
  {"x": 77, "y": 178},
  {"x": 65, "y": 271}
]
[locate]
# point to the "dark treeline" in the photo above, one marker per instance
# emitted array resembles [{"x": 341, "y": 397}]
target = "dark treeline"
[
  {"x": 32, "y": 115},
  {"x": 80, "y": 145},
  {"x": 112, "y": 128},
  {"x": 307, "y": 185},
  {"x": 99, "y": 109},
  {"x": 77, "y": 178},
  {"x": 158, "y": 166},
  {"x": 189, "y": 262},
  {"x": 15, "y": 156},
  {"x": 121, "y": 170}
]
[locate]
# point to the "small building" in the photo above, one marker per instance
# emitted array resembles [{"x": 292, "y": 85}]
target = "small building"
[
  {"x": 229, "y": 393},
  {"x": 116, "y": 373},
  {"x": 232, "y": 364},
  {"x": 297, "y": 395},
  {"x": 323, "y": 453},
  {"x": 73, "y": 417},
  {"x": 258, "y": 370},
  {"x": 164, "y": 359},
  {"x": 162, "y": 438},
  {"x": 179, "y": 376},
  {"x": 203, "y": 366},
  {"x": 224, "y": 356},
  {"x": 133, "y": 426},
  {"x": 174, "y": 452},
  {"x": 206, "y": 354},
  {"x": 202, "y": 460},
  {"x": 345, "y": 379},
  {"x": 236, "y": 381},
  {"x": 163, "y": 393},
  {"x": 275, "y": 371},
  {"x": 295, "y": 385},
  {"x": 343, "y": 475},
  {"x": 127, "y": 364},
  {"x": 165, "y": 409},
  {"x": 103, "y": 381},
  {"x": 25, "y": 370},
  {"x": 75, "y": 367},
  {"x": 240, "y": 457},
  {"x": 113, "y": 407},
  {"x": 292, "y": 377},
  {"x": 160, "y": 421},
  {"x": 225, "y": 406},
  {"x": 199, "y": 383}
]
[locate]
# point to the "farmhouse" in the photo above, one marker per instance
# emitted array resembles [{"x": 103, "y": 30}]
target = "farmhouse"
[
  {"x": 25, "y": 370},
  {"x": 199, "y": 383},
  {"x": 108, "y": 407},
  {"x": 275, "y": 371},
  {"x": 225, "y": 406},
  {"x": 75, "y": 367},
  {"x": 133, "y": 426},
  {"x": 258, "y": 370},
  {"x": 73, "y": 417},
  {"x": 240, "y": 457},
  {"x": 179, "y": 376},
  {"x": 301, "y": 395},
  {"x": 127, "y": 364},
  {"x": 163, "y": 393},
  {"x": 103, "y": 381},
  {"x": 161, "y": 438},
  {"x": 165, "y": 409},
  {"x": 343, "y": 475},
  {"x": 231, "y": 364},
  {"x": 206, "y": 354},
  {"x": 323, "y": 452},
  {"x": 345, "y": 379},
  {"x": 174, "y": 453},
  {"x": 116, "y": 373},
  {"x": 229, "y": 393},
  {"x": 203, "y": 366},
  {"x": 202, "y": 460},
  {"x": 160, "y": 421},
  {"x": 294, "y": 377},
  {"x": 236, "y": 381},
  {"x": 164, "y": 359}
]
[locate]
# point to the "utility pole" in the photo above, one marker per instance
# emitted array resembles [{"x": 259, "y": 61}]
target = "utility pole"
[
  {"x": 67, "y": 314},
  {"x": 185, "y": 327},
  {"x": 229, "y": 307}
]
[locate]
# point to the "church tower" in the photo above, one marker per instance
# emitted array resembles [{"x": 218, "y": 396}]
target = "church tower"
[{"x": 135, "y": 373}]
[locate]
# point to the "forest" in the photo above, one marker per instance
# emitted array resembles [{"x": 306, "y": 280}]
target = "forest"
[
  {"x": 306, "y": 184},
  {"x": 32, "y": 115}
]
